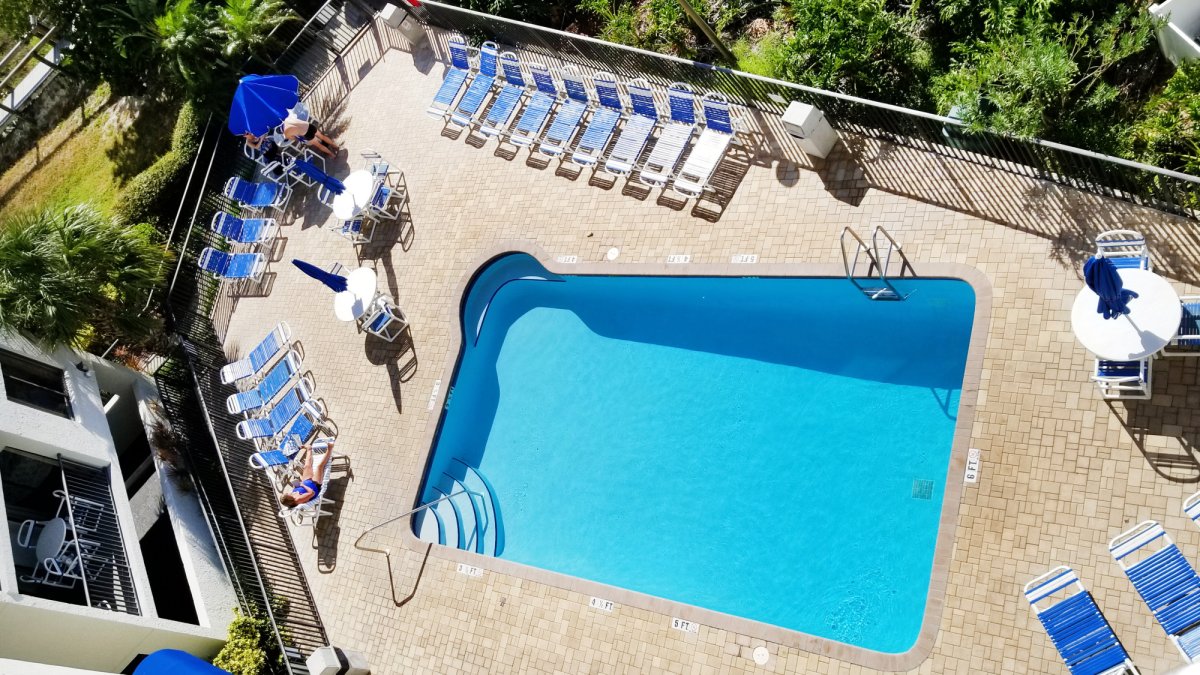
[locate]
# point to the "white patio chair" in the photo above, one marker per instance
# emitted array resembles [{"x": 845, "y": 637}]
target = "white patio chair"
[
  {"x": 1123, "y": 379},
  {"x": 1187, "y": 341},
  {"x": 1126, "y": 248}
]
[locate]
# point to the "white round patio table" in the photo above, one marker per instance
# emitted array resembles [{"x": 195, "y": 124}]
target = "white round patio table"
[
  {"x": 361, "y": 282},
  {"x": 51, "y": 539},
  {"x": 1152, "y": 321},
  {"x": 359, "y": 188},
  {"x": 347, "y": 306}
]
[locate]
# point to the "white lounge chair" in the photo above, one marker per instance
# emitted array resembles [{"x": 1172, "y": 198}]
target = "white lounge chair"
[
  {"x": 675, "y": 136},
  {"x": 1126, "y": 248},
  {"x": 641, "y": 123},
  {"x": 718, "y": 133}
]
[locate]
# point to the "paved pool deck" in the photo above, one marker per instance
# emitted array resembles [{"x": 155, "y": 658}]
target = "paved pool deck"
[{"x": 1062, "y": 470}]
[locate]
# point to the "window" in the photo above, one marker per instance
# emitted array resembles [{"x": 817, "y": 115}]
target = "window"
[{"x": 34, "y": 384}]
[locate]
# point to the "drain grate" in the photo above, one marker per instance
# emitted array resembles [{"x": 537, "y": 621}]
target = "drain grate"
[{"x": 922, "y": 489}]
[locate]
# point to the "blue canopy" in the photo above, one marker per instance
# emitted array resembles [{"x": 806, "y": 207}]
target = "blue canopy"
[
  {"x": 333, "y": 281},
  {"x": 307, "y": 168},
  {"x": 175, "y": 662},
  {"x": 1102, "y": 277},
  {"x": 261, "y": 102}
]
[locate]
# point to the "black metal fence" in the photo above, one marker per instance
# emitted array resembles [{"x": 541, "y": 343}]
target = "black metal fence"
[{"x": 1101, "y": 174}]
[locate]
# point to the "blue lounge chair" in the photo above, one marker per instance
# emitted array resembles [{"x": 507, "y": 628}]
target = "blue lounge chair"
[
  {"x": 1165, "y": 580},
  {"x": 232, "y": 265},
  {"x": 537, "y": 110},
  {"x": 1124, "y": 379},
  {"x": 311, "y": 511},
  {"x": 257, "y": 195},
  {"x": 570, "y": 113},
  {"x": 279, "y": 417},
  {"x": 675, "y": 136},
  {"x": 1126, "y": 248},
  {"x": 456, "y": 78},
  {"x": 244, "y": 230},
  {"x": 500, "y": 113},
  {"x": 472, "y": 100},
  {"x": 272, "y": 383},
  {"x": 632, "y": 139},
  {"x": 718, "y": 133},
  {"x": 258, "y": 357},
  {"x": 279, "y": 463},
  {"x": 1076, "y": 626},
  {"x": 604, "y": 121}
]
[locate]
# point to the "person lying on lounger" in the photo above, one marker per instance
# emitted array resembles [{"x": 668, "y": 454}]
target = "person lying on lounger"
[{"x": 306, "y": 489}]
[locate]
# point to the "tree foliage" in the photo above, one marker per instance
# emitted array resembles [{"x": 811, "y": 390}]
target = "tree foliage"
[
  {"x": 1167, "y": 131},
  {"x": 190, "y": 48},
  {"x": 69, "y": 275}
]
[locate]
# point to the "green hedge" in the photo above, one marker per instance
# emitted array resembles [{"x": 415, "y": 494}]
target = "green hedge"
[{"x": 152, "y": 194}]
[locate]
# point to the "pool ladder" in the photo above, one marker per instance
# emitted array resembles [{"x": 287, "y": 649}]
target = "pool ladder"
[{"x": 878, "y": 263}]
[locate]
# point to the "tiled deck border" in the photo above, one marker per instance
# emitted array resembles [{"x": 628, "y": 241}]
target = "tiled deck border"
[{"x": 947, "y": 525}]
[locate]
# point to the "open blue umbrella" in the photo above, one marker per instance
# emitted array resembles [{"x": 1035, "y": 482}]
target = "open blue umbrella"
[
  {"x": 333, "y": 281},
  {"x": 1102, "y": 277},
  {"x": 307, "y": 168},
  {"x": 261, "y": 102}
]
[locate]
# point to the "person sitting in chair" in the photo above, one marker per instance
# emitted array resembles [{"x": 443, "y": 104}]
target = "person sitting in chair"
[
  {"x": 307, "y": 131},
  {"x": 309, "y": 486}
]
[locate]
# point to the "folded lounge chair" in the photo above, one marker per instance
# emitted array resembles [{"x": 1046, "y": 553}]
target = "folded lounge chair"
[
  {"x": 675, "y": 136},
  {"x": 272, "y": 383},
  {"x": 245, "y": 230},
  {"x": 504, "y": 104},
  {"x": 1126, "y": 248},
  {"x": 232, "y": 265},
  {"x": 600, "y": 128},
  {"x": 258, "y": 357},
  {"x": 693, "y": 178},
  {"x": 1076, "y": 626},
  {"x": 456, "y": 77},
  {"x": 471, "y": 102},
  {"x": 1165, "y": 580},
  {"x": 1123, "y": 379},
  {"x": 257, "y": 195},
  {"x": 632, "y": 139},
  {"x": 570, "y": 113},
  {"x": 537, "y": 110}
]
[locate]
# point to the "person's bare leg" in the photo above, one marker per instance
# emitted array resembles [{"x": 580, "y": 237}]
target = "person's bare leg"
[
  {"x": 307, "y": 473},
  {"x": 316, "y": 143},
  {"x": 319, "y": 464},
  {"x": 328, "y": 141}
]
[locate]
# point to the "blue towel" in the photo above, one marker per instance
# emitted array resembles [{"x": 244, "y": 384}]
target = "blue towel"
[{"x": 1102, "y": 277}]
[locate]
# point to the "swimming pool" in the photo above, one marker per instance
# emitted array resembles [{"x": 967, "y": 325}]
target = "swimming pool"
[{"x": 770, "y": 448}]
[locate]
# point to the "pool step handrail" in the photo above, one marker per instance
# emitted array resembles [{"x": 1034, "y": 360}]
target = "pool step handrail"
[
  {"x": 885, "y": 291},
  {"x": 885, "y": 260}
]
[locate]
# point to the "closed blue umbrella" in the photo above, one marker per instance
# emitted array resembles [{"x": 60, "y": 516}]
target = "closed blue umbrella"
[
  {"x": 333, "y": 281},
  {"x": 307, "y": 168},
  {"x": 1102, "y": 277},
  {"x": 261, "y": 102}
]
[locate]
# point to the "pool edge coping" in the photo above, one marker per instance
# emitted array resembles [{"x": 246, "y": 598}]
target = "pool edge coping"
[{"x": 935, "y": 601}]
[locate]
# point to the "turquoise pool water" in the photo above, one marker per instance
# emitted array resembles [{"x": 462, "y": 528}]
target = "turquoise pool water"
[{"x": 771, "y": 448}]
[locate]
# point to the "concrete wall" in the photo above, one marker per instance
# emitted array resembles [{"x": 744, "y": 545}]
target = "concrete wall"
[
  {"x": 1177, "y": 37},
  {"x": 50, "y": 632}
]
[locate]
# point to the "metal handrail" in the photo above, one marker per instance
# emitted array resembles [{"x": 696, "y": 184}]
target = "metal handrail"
[
  {"x": 387, "y": 552},
  {"x": 851, "y": 266},
  {"x": 895, "y": 246},
  {"x": 389, "y": 521},
  {"x": 87, "y": 595}
]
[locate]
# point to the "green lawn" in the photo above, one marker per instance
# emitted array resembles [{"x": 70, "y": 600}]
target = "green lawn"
[{"x": 90, "y": 155}]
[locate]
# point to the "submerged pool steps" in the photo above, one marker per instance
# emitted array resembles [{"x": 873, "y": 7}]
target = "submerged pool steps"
[{"x": 467, "y": 518}]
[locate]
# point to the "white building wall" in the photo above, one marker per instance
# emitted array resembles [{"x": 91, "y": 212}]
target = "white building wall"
[{"x": 1177, "y": 37}]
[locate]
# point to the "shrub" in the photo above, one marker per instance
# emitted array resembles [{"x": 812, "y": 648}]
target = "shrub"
[
  {"x": 856, "y": 47},
  {"x": 151, "y": 191},
  {"x": 1167, "y": 132},
  {"x": 243, "y": 653}
]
